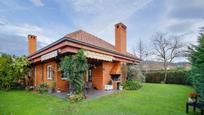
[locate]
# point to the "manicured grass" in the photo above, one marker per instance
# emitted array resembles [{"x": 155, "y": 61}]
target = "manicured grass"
[
  {"x": 29, "y": 103},
  {"x": 154, "y": 99}
]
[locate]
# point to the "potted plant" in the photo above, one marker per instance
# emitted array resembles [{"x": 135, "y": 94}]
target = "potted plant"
[
  {"x": 52, "y": 87},
  {"x": 192, "y": 97}
]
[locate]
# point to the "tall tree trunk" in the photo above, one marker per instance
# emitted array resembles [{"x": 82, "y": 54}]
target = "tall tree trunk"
[{"x": 165, "y": 72}]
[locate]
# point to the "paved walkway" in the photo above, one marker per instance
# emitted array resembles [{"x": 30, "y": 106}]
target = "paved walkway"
[
  {"x": 95, "y": 93},
  {"x": 91, "y": 93},
  {"x": 61, "y": 94}
]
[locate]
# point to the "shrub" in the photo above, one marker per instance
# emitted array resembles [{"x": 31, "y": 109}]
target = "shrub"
[
  {"x": 134, "y": 73},
  {"x": 141, "y": 77},
  {"x": 6, "y": 72},
  {"x": 16, "y": 85},
  {"x": 131, "y": 85},
  {"x": 73, "y": 67},
  {"x": 73, "y": 98},
  {"x": 173, "y": 77},
  {"x": 12, "y": 70},
  {"x": 42, "y": 88}
]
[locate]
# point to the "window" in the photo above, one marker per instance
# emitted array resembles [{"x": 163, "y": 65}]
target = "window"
[
  {"x": 63, "y": 76},
  {"x": 49, "y": 72}
]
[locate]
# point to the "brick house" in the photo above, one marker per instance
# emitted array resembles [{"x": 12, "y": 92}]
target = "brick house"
[{"x": 105, "y": 59}]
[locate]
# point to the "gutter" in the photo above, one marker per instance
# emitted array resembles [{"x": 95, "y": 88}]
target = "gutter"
[{"x": 82, "y": 43}]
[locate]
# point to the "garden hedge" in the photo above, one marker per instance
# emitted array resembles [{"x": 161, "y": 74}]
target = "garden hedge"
[{"x": 173, "y": 77}]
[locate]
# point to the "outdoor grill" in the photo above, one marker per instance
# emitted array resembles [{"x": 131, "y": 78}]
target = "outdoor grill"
[{"x": 115, "y": 77}]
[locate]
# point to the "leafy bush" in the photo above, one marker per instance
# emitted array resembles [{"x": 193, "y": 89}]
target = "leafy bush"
[
  {"x": 131, "y": 85},
  {"x": 73, "y": 98},
  {"x": 12, "y": 69},
  {"x": 6, "y": 72},
  {"x": 73, "y": 67},
  {"x": 134, "y": 73},
  {"x": 140, "y": 77},
  {"x": 20, "y": 67},
  {"x": 173, "y": 77},
  {"x": 42, "y": 88},
  {"x": 16, "y": 85}
]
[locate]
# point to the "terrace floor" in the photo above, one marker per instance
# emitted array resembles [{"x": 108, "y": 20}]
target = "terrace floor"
[
  {"x": 91, "y": 93},
  {"x": 95, "y": 93}
]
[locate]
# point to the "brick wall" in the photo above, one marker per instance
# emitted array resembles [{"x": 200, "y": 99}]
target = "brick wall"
[
  {"x": 97, "y": 77},
  {"x": 100, "y": 74},
  {"x": 107, "y": 67},
  {"x": 41, "y": 75}
]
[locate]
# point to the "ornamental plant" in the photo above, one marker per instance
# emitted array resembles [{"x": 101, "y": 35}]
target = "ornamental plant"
[
  {"x": 6, "y": 71},
  {"x": 42, "y": 88},
  {"x": 20, "y": 66},
  {"x": 131, "y": 85},
  {"x": 73, "y": 67},
  {"x": 12, "y": 69}
]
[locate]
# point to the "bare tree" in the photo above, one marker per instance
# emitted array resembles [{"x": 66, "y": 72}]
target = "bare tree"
[
  {"x": 140, "y": 50},
  {"x": 166, "y": 49}
]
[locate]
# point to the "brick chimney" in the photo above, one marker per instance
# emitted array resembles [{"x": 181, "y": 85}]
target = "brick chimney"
[
  {"x": 120, "y": 37},
  {"x": 32, "y": 44}
]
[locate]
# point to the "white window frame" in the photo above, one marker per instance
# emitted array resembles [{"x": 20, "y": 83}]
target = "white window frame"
[
  {"x": 49, "y": 72},
  {"x": 63, "y": 78}
]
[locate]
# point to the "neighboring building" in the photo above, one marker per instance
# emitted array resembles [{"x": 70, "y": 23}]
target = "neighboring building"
[
  {"x": 105, "y": 59},
  {"x": 155, "y": 65},
  {"x": 184, "y": 65}
]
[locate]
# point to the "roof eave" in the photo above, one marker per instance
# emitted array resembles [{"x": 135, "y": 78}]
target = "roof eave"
[{"x": 83, "y": 43}]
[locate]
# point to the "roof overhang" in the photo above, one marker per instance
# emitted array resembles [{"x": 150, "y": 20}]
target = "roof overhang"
[{"x": 73, "y": 43}]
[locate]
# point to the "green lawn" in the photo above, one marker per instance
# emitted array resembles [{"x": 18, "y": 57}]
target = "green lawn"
[{"x": 152, "y": 99}]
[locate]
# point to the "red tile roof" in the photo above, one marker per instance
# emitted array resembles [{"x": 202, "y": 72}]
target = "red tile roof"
[
  {"x": 86, "y": 37},
  {"x": 91, "y": 39}
]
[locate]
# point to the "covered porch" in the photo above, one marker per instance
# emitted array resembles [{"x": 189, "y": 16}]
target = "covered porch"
[{"x": 103, "y": 75}]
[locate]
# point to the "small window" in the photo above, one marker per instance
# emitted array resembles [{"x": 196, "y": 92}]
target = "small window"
[
  {"x": 64, "y": 76},
  {"x": 49, "y": 72}
]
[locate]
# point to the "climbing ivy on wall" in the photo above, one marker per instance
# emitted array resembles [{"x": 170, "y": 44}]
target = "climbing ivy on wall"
[{"x": 73, "y": 67}]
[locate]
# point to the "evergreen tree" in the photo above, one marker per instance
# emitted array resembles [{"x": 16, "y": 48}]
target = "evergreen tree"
[{"x": 197, "y": 73}]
